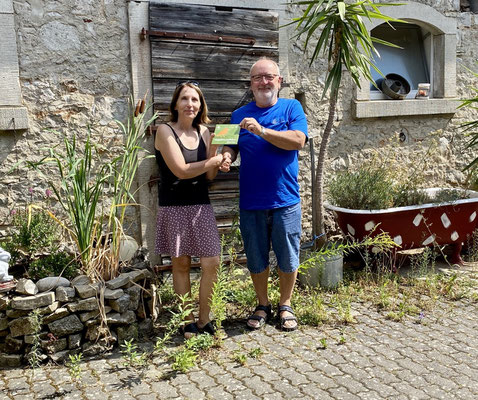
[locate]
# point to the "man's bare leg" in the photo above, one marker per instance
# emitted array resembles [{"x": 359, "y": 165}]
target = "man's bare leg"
[{"x": 260, "y": 282}]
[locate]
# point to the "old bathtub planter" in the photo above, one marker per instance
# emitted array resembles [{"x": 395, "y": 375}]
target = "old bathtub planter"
[{"x": 422, "y": 225}]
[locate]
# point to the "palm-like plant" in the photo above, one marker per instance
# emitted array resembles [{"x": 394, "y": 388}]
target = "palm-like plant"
[
  {"x": 471, "y": 127},
  {"x": 337, "y": 30}
]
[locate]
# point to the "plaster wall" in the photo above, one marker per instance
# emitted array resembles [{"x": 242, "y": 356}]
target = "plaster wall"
[{"x": 75, "y": 71}]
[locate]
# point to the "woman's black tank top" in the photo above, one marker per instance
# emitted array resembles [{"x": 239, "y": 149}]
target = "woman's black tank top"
[{"x": 183, "y": 192}]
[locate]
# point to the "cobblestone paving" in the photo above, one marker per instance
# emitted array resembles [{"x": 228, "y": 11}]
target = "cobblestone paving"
[{"x": 374, "y": 358}]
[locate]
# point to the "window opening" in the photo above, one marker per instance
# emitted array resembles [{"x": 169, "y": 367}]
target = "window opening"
[{"x": 410, "y": 61}]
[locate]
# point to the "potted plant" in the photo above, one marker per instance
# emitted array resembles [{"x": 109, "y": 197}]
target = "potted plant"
[{"x": 346, "y": 43}]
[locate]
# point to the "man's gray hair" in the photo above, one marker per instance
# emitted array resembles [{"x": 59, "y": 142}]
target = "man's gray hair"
[{"x": 268, "y": 59}]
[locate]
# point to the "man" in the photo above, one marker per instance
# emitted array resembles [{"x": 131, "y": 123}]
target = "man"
[{"x": 272, "y": 131}]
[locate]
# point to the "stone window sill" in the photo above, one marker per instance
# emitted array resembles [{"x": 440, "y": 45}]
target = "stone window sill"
[
  {"x": 398, "y": 108},
  {"x": 13, "y": 118}
]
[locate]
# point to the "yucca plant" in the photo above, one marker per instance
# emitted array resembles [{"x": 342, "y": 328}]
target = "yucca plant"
[
  {"x": 337, "y": 30},
  {"x": 471, "y": 127}
]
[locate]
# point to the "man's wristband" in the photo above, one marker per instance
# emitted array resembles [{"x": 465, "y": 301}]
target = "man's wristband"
[{"x": 263, "y": 131}]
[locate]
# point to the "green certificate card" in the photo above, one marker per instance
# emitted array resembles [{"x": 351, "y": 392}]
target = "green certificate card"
[{"x": 226, "y": 134}]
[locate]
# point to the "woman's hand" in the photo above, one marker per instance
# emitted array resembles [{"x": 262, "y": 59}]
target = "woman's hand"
[{"x": 226, "y": 163}]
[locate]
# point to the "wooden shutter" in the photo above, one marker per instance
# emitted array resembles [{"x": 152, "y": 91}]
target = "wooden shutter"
[{"x": 214, "y": 46}]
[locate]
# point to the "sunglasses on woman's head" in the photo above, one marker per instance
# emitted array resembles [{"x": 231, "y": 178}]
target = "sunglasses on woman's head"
[{"x": 181, "y": 83}]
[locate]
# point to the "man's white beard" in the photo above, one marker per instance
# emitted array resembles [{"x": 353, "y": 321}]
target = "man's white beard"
[{"x": 267, "y": 96}]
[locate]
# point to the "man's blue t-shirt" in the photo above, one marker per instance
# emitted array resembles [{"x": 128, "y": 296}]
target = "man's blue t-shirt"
[{"x": 268, "y": 176}]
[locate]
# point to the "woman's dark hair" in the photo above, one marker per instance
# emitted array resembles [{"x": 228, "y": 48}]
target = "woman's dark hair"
[{"x": 202, "y": 117}]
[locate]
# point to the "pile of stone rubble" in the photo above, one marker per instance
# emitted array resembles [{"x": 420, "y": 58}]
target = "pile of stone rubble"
[{"x": 71, "y": 315}]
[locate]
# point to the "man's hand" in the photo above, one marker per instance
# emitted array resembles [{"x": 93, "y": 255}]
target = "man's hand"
[{"x": 251, "y": 125}]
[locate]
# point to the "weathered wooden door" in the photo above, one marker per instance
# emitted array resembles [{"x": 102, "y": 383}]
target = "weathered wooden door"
[{"x": 216, "y": 47}]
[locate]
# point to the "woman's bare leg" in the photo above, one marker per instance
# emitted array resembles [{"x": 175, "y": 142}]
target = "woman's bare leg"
[{"x": 209, "y": 266}]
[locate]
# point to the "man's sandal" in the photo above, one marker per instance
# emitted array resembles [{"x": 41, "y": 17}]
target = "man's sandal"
[
  {"x": 262, "y": 320},
  {"x": 190, "y": 330},
  {"x": 283, "y": 320}
]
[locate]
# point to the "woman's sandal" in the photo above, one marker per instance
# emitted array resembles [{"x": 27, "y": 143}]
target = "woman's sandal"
[
  {"x": 262, "y": 320},
  {"x": 190, "y": 329},
  {"x": 283, "y": 320},
  {"x": 209, "y": 328}
]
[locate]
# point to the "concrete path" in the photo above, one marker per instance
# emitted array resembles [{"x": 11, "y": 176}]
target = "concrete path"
[{"x": 435, "y": 357}]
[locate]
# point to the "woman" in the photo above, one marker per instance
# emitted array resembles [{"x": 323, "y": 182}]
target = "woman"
[{"x": 186, "y": 225}]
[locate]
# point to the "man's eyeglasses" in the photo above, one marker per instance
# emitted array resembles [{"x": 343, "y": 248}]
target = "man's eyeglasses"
[
  {"x": 259, "y": 78},
  {"x": 181, "y": 83}
]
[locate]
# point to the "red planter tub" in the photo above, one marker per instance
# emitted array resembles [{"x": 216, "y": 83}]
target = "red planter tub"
[{"x": 416, "y": 226}]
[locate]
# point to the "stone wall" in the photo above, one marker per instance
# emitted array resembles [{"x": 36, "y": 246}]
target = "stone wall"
[
  {"x": 71, "y": 321},
  {"x": 75, "y": 71},
  {"x": 74, "y": 74}
]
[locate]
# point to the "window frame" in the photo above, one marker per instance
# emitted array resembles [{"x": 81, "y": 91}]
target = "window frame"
[{"x": 442, "y": 68}]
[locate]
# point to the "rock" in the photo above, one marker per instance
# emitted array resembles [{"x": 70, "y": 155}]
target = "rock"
[
  {"x": 93, "y": 314},
  {"x": 127, "y": 317},
  {"x": 74, "y": 341},
  {"x": 86, "y": 291},
  {"x": 66, "y": 326},
  {"x": 30, "y": 339},
  {"x": 13, "y": 345},
  {"x": 80, "y": 280},
  {"x": 134, "y": 294},
  {"x": 20, "y": 327},
  {"x": 3, "y": 323},
  {"x": 91, "y": 348},
  {"x": 65, "y": 294},
  {"x": 43, "y": 310},
  {"x": 127, "y": 333},
  {"x": 141, "y": 256},
  {"x": 17, "y": 313},
  {"x": 138, "y": 274},
  {"x": 11, "y": 360},
  {"x": 122, "y": 304},
  {"x": 127, "y": 249},
  {"x": 118, "y": 282},
  {"x": 91, "y": 322},
  {"x": 141, "y": 265},
  {"x": 57, "y": 314},
  {"x": 31, "y": 302},
  {"x": 39, "y": 357},
  {"x": 141, "y": 312},
  {"x": 49, "y": 309},
  {"x": 51, "y": 283},
  {"x": 26, "y": 286},
  {"x": 55, "y": 345},
  {"x": 92, "y": 333},
  {"x": 4, "y": 302},
  {"x": 145, "y": 326},
  {"x": 113, "y": 294},
  {"x": 83, "y": 305},
  {"x": 60, "y": 356}
]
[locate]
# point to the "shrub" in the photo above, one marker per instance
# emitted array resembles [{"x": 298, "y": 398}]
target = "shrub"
[
  {"x": 371, "y": 187},
  {"x": 35, "y": 231},
  {"x": 367, "y": 188},
  {"x": 54, "y": 264}
]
